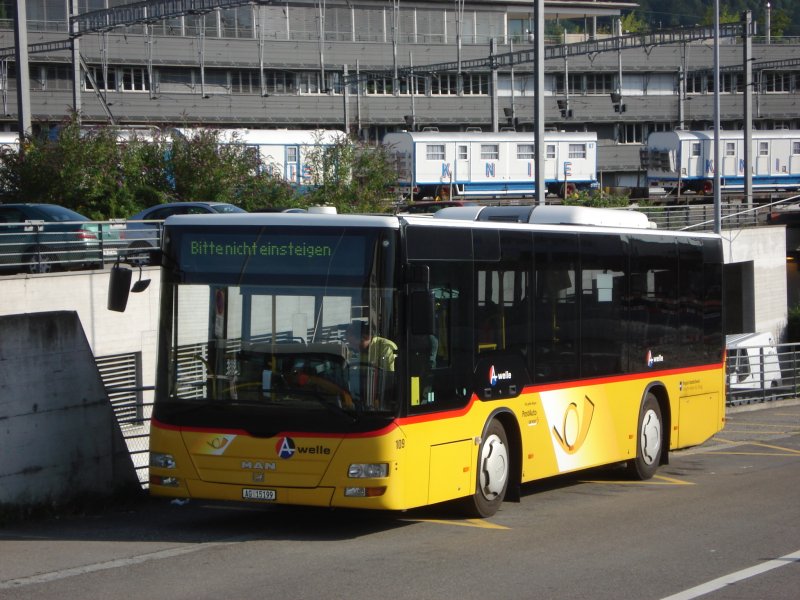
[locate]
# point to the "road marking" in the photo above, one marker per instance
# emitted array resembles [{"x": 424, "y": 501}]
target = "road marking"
[
  {"x": 721, "y": 582},
  {"x": 662, "y": 481},
  {"x": 782, "y": 450},
  {"x": 480, "y": 523},
  {"x": 111, "y": 564}
]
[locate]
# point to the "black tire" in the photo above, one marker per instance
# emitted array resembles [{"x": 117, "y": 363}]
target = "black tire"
[
  {"x": 40, "y": 260},
  {"x": 494, "y": 471},
  {"x": 649, "y": 440}
]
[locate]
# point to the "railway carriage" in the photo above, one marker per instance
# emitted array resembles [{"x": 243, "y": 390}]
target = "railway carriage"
[
  {"x": 287, "y": 153},
  {"x": 490, "y": 165},
  {"x": 684, "y": 160}
]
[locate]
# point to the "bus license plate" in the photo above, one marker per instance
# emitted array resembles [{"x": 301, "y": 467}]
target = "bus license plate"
[{"x": 250, "y": 494}]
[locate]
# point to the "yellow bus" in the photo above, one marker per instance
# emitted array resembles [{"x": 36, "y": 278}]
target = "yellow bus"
[{"x": 393, "y": 362}]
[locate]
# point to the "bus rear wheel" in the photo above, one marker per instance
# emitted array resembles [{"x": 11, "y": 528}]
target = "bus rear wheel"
[
  {"x": 649, "y": 440},
  {"x": 493, "y": 473}
]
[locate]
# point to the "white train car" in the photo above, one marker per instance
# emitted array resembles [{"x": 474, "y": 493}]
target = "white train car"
[
  {"x": 684, "y": 160},
  {"x": 286, "y": 153},
  {"x": 9, "y": 140},
  {"x": 485, "y": 164}
]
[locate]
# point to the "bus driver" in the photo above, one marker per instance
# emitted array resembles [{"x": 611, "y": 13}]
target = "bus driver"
[{"x": 370, "y": 350}]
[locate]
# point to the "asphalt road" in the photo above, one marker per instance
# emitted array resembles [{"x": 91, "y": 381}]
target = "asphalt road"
[{"x": 722, "y": 521}]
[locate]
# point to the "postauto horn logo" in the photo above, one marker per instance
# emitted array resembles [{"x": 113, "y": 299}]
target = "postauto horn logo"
[{"x": 494, "y": 376}]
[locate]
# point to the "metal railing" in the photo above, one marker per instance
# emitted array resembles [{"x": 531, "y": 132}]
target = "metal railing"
[
  {"x": 122, "y": 379},
  {"x": 42, "y": 247},
  {"x": 762, "y": 374}
]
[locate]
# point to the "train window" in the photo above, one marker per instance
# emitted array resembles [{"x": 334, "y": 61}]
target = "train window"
[
  {"x": 434, "y": 152},
  {"x": 550, "y": 151},
  {"x": 795, "y": 147},
  {"x": 763, "y": 148},
  {"x": 490, "y": 151},
  {"x": 525, "y": 151},
  {"x": 577, "y": 150},
  {"x": 695, "y": 148},
  {"x": 463, "y": 152},
  {"x": 730, "y": 149}
]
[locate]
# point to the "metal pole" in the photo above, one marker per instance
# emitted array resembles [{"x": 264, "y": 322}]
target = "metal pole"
[
  {"x": 358, "y": 98},
  {"x": 748, "y": 108},
  {"x": 768, "y": 23},
  {"x": 538, "y": 100},
  {"x": 717, "y": 175},
  {"x": 513, "y": 107},
  {"x": 492, "y": 53},
  {"x": 395, "y": 23},
  {"x": 321, "y": 8},
  {"x": 411, "y": 86},
  {"x": 77, "y": 84},
  {"x": 346, "y": 96},
  {"x": 459, "y": 34}
]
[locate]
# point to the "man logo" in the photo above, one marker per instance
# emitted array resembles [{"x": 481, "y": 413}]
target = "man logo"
[
  {"x": 575, "y": 427},
  {"x": 285, "y": 447}
]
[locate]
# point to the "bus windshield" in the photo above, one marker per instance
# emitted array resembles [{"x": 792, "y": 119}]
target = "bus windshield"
[{"x": 280, "y": 322}]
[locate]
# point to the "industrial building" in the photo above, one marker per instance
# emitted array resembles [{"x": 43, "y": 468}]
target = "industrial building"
[{"x": 373, "y": 67}]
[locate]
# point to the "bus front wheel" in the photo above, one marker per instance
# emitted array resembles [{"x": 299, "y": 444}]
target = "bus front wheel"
[
  {"x": 649, "y": 440},
  {"x": 493, "y": 473}
]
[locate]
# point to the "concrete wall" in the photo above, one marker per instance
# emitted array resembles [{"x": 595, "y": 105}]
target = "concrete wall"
[
  {"x": 59, "y": 439},
  {"x": 765, "y": 247},
  {"x": 86, "y": 293}
]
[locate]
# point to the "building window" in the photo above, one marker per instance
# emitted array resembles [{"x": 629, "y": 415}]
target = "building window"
[
  {"x": 308, "y": 82},
  {"x": 490, "y": 151},
  {"x": 444, "y": 84},
  {"x": 104, "y": 84},
  {"x": 134, "y": 79},
  {"x": 476, "y": 84},
  {"x": 525, "y": 151},
  {"x": 632, "y": 133},
  {"x": 434, "y": 151},
  {"x": 599, "y": 83}
]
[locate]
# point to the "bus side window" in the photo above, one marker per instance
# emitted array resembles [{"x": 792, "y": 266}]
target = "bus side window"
[{"x": 556, "y": 310}]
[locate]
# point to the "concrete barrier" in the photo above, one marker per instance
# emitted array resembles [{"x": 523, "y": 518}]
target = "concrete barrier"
[{"x": 59, "y": 439}]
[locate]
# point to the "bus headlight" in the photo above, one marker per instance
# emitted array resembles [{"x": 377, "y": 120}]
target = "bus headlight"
[
  {"x": 162, "y": 461},
  {"x": 368, "y": 470}
]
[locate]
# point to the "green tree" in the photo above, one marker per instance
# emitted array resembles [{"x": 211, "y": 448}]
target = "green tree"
[
  {"x": 79, "y": 169},
  {"x": 633, "y": 23},
  {"x": 351, "y": 176}
]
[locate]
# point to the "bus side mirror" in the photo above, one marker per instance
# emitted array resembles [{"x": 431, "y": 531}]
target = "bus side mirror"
[
  {"x": 119, "y": 285},
  {"x": 422, "y": 309}
]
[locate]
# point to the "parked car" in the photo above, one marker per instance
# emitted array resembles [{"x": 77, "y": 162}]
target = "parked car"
[
  {"x": 143, "y": 232},
  {"x": 37, "y": 238}
]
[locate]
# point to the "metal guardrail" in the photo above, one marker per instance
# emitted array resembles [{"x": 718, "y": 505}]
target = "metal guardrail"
[
  {"x": 42, "y": 246},
  {"x": 767, "y": 373}
]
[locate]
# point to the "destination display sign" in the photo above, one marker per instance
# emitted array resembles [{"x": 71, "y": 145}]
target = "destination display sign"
[{"x": 262, "y": 252}]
